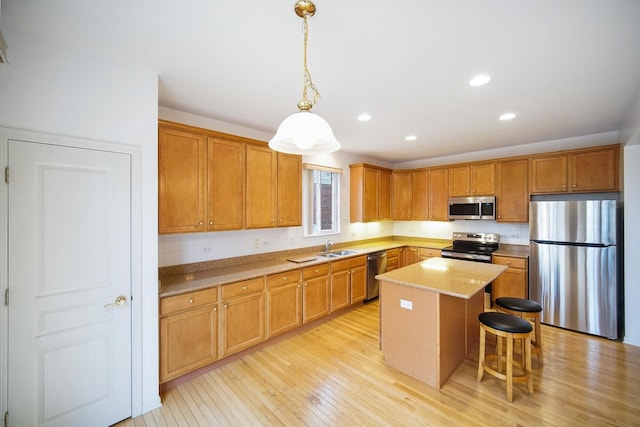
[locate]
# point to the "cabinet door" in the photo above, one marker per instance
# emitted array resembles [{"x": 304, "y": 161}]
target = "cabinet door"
[
  {"x": 426, "y": 253},
  {"x": 513, "y": 282},
  {"x": 340, "y": 297},
  {"x": 409, "y": 255},
  {"x": 284, "y": 308},
  {"x": 548, "y": 174},
  {"x": 289, "y": 190},
  {"x": 512, "y": 195},
  {"x": 439, "y": 195},
  {"x": 242, "y": 322},
  {"x": 370, "y": 194},
  {"x": 596, "y": 170},
  {"x": 384, "y": 195},
  {"x": 482, "y": 180},
  {"x": 182, "y": 158},
  {"x": 225, "y": 170},
  {"x": 188, "y": 340},
  {"x": 315, "y": 298},
  {"x": 401, "y": 190},
  {"x": 261, "y": 188},
  {"x": 358, "y": 284},
  {"x": 420, "y": 195},
  {"x": 459, "y": 180}
]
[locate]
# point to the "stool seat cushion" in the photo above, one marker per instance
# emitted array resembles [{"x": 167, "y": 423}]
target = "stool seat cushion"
[
  {"x": 505, "y": 322},
  {"x": 519, "y": 304}
]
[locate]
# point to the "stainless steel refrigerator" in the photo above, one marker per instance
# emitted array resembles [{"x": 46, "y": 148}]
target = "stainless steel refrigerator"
[{"x": 573, "y": 264}]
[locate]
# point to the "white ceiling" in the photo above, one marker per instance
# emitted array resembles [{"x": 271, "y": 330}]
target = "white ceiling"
[{"x": 567, "y": 68}]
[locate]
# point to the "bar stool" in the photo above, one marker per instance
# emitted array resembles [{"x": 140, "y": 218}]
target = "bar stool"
[
  {"x": 510, "y": 327},
  {"x": 529, "y": 310}
]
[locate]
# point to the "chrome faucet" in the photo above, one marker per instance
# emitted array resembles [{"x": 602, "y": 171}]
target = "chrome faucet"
[{"x": 328, "y": 245}]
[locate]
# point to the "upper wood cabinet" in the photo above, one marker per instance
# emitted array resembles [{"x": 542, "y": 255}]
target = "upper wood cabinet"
[
  {"x": 471, "y": 180},
  {"x": 182, "y": 169},
  {"x": 585, "y": 170},
  {"x": 401, "y": 190},
  {"x": 273, "y": 188},
  {"x": 420, "y": 195},
  {"x": 370, "y": 193},
  {"x": 438, "y": 194},
  {"x": 512, "y": 191},
  {"x": 225, "y": 183}
]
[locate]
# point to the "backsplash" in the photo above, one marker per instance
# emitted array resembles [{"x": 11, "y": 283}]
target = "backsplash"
[{"x": 177, "y": 249}]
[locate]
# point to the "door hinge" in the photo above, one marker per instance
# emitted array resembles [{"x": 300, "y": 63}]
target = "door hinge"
[{"x": 6, "y": 174}]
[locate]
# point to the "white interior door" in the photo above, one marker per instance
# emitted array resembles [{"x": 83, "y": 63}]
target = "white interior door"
[{"x": 69, "y": 352}]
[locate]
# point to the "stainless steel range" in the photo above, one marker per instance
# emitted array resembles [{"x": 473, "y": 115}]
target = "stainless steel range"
[{"x": 476, "y": 247}]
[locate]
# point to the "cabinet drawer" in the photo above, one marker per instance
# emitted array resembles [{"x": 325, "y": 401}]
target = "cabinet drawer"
[
  {"x": 510, "y": 262},
  {"x": 341, "y": 265},
  {"x": 242, "y": 288},
  {"x": 275, "y": 280},
  {"x": 193, "y": 299},
  {"x": 315, "y": 271},
  {"x": 393, "y": 252},
  {"x": 392, "y": 263},
  {"x": 429, "y": 252},
  {"x": 358, "y": 261}
]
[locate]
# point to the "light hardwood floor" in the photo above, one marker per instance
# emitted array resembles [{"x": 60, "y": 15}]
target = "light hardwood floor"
[{"x": 335, "y": 375}]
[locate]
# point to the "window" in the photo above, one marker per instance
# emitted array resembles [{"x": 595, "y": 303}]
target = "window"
[{"x": 324, "y": 200}]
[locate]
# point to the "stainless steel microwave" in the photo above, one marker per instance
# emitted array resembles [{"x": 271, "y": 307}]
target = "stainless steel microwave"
[{"x": 472, "y": 207}]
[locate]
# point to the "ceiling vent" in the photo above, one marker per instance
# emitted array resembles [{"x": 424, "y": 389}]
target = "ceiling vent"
[{"x": 3, "y": 50}]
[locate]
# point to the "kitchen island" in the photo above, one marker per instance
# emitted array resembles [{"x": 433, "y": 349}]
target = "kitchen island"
[{"x": 429, "y": 315}]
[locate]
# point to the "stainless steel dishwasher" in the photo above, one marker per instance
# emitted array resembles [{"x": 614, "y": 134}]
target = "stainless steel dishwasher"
[{"x": 376, "y": 264}]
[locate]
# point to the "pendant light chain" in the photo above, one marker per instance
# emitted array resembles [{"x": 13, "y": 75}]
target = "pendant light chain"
[{"x": 308, "y": 83}]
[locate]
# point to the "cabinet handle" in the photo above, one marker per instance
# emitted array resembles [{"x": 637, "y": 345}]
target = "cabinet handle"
[
  {"x": 215, "y": 308},
  {"x": 499, "y": 216},
  {"x": 298, "y": 285},
  {"x": 508, "y": 262},
  {"x": 306, "y": 284},
  {"x": 244, "y": 288},
  {"x": 316, "y": 270},
  {"x": 574, "y": 185},
  {"x": 210, "y": 222},
  {"x": 190, "y": 300},
  {"x": 280, "y": 220},
  {"x": 225, "y": 306},
  {"x": 564, "y": 186},
  {"x": 284, "y": 278}
]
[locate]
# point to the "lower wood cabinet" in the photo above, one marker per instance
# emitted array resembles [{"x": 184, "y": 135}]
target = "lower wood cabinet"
[
  {"x": 426, "y": 253},
  {"x": 243, "y": 316},
  {"x": 188, "y": 332},
  {"x": 348, "y": 282},
  {"x": 284, "y": 302},
  {"x": 393, "y": 259},
  {"x": 315, "y": 292},
  {"x": 408, "y": 256},
  {"x": 358, "y": 279},
  {"x": 513, "y": 282}
]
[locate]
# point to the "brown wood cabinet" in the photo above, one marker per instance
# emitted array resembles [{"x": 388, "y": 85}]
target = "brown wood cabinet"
[
  {"x": 408, "y": 256},
  {"x": 420, "y": 195},
  {"x": 188, "y": 332},
  {"x": 273, "y": 188},
  {"x": 225, "y": 184},
  {"x": 512, "y": 191},
  {"x": 401, "y": 191},
  {"x": 471, "y": 180},
  {"x": 348, "y": 282},
  {"x": 182, "y": 168},
  {"x": 243, "y": 316},
  {"x": 393, "y": 259},
  {"x": 370, "y": 193},
  {"x": 514, "y": 281},
  {"x": 284, "y": 302},
  {"x": 315, "y": 292},
  {"x": 438, "y": 194},
  {"x": 426, "y": 253},
  {"x": 586, "y": 170}
]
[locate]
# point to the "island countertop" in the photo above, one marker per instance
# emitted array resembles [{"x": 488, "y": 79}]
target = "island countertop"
[{"x": 461, "y": 279}]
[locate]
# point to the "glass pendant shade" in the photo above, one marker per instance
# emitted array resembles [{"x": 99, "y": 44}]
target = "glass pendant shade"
[{"x": 304, "y": 133}]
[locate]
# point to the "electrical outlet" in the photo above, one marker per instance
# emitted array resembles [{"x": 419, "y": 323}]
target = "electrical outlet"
[
  {"x": 256, "y": 244},
  {"x": 266, "y": 243},
  {"x": 292, "y": 241},
  {"x": 206, "y": 250},
  {"x": 353, "y": 234},
  {"x": 408, "y": 305}
]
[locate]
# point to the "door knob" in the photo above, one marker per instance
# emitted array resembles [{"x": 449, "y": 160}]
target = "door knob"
[{"x": 119, "y": 301}]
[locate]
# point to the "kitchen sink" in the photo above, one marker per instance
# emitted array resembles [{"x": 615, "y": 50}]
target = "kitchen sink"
[{"x": 337, "y": 254}]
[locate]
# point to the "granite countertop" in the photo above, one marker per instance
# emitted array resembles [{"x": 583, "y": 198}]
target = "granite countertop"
[
  {"x": 457, "y": 278},
  {"x": 192, "y": 281}
]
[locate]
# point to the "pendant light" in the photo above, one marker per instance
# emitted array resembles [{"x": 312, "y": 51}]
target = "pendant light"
[{"x": 305, "y": 132}]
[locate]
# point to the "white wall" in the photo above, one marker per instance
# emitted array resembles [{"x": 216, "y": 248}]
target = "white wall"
[
  {"x": 48, "y": 90},
  {"x": 631, "y": 136}
]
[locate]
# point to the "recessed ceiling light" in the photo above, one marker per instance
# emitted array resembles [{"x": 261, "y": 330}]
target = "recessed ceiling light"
[
  {"x": 507, "y": 116},
  {"x": 364, "y": 117},
  {"x": 479, "y": 80},
  {"x": 410, "y": 138}
]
